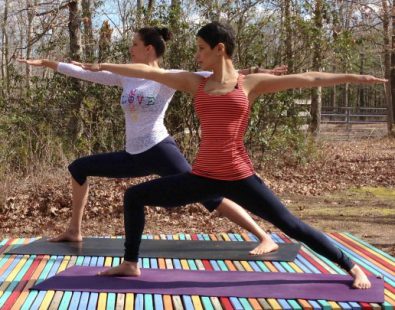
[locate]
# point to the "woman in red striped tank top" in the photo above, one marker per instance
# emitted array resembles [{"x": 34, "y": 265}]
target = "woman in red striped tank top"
[{"x": 222, "y": 166}]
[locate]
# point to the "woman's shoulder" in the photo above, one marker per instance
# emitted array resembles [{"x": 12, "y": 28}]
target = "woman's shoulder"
[{"x": 204, "y": 74}]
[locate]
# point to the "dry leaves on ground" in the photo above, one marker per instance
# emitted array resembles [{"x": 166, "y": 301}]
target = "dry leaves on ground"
[{"x": 40, "y": 204}]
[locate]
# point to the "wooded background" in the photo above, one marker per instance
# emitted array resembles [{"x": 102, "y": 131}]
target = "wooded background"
[{"x": 47, "y": 118}]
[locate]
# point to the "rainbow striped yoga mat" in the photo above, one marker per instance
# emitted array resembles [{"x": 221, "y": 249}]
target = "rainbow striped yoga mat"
[{"x": 18, "y": 273}]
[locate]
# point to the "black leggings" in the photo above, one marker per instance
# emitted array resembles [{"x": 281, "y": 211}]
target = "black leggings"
[
  {"x": 163, "y": 159},
  {"x": 251, "y": 193}
]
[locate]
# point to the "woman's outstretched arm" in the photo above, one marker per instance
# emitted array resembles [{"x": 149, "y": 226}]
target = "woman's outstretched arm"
[
  {"x": 74, "y": 70},
  {"x": 40, "y": 63},
  {"x": 257, "y": 84},
  {"x": 182, "y": 81},
  {"x": 279, "y": 70}
]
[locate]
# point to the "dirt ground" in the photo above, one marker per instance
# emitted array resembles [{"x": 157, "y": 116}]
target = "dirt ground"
[{"x": 347, "y": 186}]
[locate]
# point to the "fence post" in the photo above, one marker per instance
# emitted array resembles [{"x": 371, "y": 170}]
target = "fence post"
[
  {"x": 390, "y": 113},
  {"x": 348, "y": 121}
]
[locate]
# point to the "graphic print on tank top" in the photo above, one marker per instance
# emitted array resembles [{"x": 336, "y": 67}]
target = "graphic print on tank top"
[{"x": 136, "y": 101}]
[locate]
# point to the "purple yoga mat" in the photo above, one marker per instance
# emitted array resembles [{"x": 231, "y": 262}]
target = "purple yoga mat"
[{"x": 217, "y": 283}]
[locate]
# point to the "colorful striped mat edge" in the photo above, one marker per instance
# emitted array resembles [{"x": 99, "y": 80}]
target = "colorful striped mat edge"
[{"x": 20, "y": 272}]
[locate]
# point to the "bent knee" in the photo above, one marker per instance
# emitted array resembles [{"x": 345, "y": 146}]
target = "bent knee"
[
  {"x": 133, "y": 196},
  {"x": 129, "y": 194},
  {"x": 76, "y": 171}
]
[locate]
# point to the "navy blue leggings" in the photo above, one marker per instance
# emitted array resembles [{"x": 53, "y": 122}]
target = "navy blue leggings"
[
  {"x": 251, "y": 193},
  {"x": 163, "y": 159}
]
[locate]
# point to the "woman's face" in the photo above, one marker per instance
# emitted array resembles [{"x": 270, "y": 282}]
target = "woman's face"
[
  {"x": 206, "y": 56},
  {"x": 138, "y": 51}
]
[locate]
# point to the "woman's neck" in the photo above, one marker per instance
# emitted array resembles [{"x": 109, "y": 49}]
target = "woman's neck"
[
  {"x": 153, "y": 63},
  {"x": 224, "y": 71}
]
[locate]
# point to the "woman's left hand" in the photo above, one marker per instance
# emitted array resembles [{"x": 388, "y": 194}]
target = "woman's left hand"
[{"x": 370, "y": 79}]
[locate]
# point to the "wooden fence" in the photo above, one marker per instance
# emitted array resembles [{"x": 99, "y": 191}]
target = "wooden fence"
[{"x": 354, "y": 115}]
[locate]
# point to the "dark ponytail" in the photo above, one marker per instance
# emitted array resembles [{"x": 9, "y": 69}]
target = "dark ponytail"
[
  {"x": 165, "y": 33},
  {"x": 156, "y": 37}
]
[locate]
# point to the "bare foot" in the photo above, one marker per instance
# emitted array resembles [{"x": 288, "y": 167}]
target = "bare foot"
[
  {"x": 361, "y": 281},
  {"x": 126, "y": 269},
  {"x": 266, "y": 246},
  {"x": 68, "y": 236}
]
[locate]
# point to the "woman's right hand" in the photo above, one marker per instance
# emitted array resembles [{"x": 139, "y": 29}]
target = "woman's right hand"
[
  {"x": 39, "y": 63},
  {"x": 32, "y": 62}
]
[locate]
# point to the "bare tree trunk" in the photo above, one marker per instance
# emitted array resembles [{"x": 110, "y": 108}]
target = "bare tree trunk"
[
  {"x": 150, "y": 8},
  {"x": 74, "y": 30},
  {"x": 361, "y": 89},
  {"x": 390, "y": 68},
  {"x": 333, "y": 93},
  {"x": 88, "y": 33},
  {"x": 288, "y": 37},
  {"x": 104, "y": 41},
  {"x": 75, "y": 123},
  {"x": 151, "y": 4},
  {"x": 213, "y": 10},
  {"x": 4, "y": 52},
  {"x": 29, "y": 35},
  {"x": 289, "y": 53},
  {"x": 387, "y": 62},
  {"x": 345, "y": 12},
  {"x": 174, "y": 52},
  {"x": 174, "y": 18},
  {"x": 139, "y": 19},
  {"x": 175, "y": 4},
  {"x": 316, "y": 98}
]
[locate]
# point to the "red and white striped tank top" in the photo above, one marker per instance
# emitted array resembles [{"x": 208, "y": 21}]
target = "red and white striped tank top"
[{"x": 223, "y": 122}]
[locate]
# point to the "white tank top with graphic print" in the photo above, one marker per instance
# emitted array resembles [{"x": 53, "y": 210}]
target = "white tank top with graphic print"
[{"x": 144, "y": 103}]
